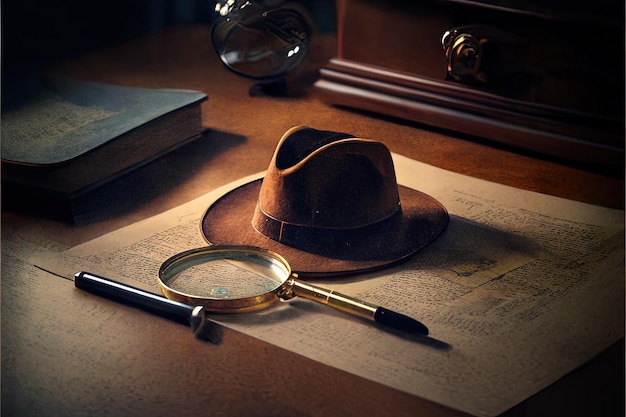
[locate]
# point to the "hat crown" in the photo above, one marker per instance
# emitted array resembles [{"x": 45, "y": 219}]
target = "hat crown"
[
  {"x": 330, "y": 204},
  {"x": 328, "y": 180}
]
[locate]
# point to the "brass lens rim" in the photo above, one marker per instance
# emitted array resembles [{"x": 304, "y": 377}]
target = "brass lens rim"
[{"x": 184, "y": 260}]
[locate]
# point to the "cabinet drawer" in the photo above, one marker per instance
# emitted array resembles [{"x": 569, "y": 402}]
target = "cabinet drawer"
[{"x": 530, "y": 75}]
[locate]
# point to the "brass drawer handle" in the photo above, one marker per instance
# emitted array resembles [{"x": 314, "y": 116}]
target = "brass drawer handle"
[
  {"x": 464, "y": 52},
  {"x": 485, "y": 56}
]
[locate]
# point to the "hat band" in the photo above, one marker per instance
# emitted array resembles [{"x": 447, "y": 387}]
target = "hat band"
[{"x": 314, "y": 238}]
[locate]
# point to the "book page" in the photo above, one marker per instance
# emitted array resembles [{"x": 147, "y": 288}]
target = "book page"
[{"x": 521, "y": 289}]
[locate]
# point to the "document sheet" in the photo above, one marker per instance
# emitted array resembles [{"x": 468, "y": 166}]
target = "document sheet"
[{"x": 521, "y": 289}]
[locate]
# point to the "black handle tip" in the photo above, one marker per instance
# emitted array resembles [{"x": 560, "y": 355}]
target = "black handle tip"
[{"x": 399, "y": 321}]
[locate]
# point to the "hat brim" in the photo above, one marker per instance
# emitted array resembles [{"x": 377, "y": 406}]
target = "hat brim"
[{"x": 228, "y": 221}]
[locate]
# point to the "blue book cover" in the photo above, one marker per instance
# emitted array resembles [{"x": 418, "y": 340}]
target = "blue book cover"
[{"x": 69, "y": 118}]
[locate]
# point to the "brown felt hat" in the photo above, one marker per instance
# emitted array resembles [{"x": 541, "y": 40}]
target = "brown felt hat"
[{"x": 329, "y": 203}]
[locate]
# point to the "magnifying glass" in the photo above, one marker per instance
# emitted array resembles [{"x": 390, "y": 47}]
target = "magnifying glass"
[
  {"x": 258, "y": 40},
  {"x": 236, "y": 279}
]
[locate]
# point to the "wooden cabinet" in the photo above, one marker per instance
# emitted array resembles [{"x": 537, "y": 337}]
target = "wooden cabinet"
[{"x": 545, "y": 77}]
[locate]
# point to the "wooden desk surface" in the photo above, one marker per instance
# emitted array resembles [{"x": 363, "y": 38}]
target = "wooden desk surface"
[{"x": 67, "y": 353}]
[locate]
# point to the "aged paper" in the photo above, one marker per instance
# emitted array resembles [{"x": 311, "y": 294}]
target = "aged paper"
[{"x": 521, "y": 289}]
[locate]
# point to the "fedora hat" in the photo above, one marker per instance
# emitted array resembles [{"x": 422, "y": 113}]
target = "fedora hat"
[{"x": 330, "y": 204}]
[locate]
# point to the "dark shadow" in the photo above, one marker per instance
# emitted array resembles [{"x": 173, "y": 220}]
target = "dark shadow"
[
  {"x": 418, "y": 338},
  {"x": 210, "y": 331}
]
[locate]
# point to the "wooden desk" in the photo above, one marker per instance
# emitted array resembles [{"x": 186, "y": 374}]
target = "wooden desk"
[{"x": 66, "y": 353}]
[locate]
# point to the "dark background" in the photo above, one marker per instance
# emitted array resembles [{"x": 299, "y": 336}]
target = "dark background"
[{"x": 37, "y": 33}]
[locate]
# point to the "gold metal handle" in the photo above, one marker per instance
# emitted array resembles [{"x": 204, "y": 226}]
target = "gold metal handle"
[
  {"x": 334, "y": 299},
  {"x": 464, "y": 52},
  {"x": 485, "y": 56},
  {"x": 293, "y": 287}
]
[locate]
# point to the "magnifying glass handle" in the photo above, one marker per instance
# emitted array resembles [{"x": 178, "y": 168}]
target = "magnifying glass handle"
[
  {"x": 193, "y": 316},
  {"x": 358, "y": 307}
]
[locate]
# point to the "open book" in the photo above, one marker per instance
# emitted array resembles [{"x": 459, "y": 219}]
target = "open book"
[{"x": 74, "y": 136}]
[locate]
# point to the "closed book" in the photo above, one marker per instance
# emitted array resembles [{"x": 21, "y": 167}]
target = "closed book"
[{"x": 74, "y": 136}]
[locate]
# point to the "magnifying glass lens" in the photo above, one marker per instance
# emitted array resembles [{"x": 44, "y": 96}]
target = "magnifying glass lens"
[
  {"x": 225, "y": 278},
  {"x": 258, "y": 53},
  {"x": 261, "y": 44}
]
